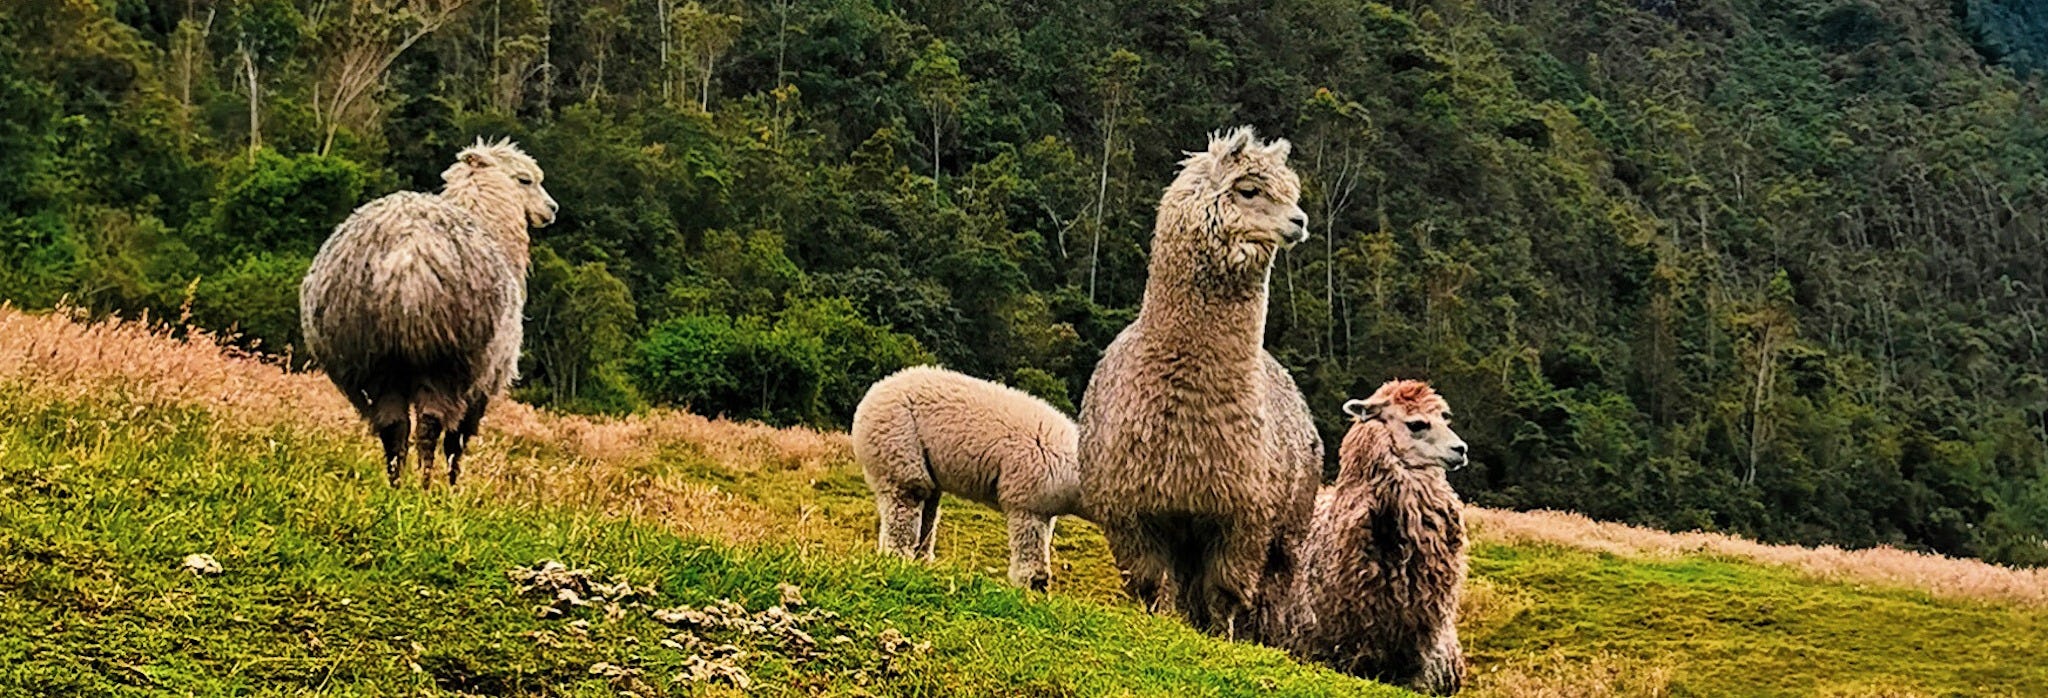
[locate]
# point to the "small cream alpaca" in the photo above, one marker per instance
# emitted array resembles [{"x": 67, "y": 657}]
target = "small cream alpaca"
[
  {"x": 414, "y": 304},
  {"x": 926, "y": 430},
  {"x": 1198, "y": 455},
  {"x": 1384, "y": 562}
]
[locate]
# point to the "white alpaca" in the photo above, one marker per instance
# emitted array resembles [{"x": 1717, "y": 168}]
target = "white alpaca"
[{"x": 926, "y": 430}]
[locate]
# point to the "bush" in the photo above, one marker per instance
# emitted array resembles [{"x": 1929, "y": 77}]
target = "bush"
[
  {"x": 286, "y": 204},
  {"x": 811, "y": 366},
  {"x": 258, "y": 296},
  {"x": 1046, "y": 386}
]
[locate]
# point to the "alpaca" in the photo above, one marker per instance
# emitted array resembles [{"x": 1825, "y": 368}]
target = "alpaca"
[
  {"x": 1198, "y": 456},
  {"x": 926, "y": 430},
  {"x": 414, "y": 304},
  {"x": 1384, "y": 562}
]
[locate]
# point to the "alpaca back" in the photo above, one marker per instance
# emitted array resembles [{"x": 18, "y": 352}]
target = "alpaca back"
[{"x": 413, "y": 284}]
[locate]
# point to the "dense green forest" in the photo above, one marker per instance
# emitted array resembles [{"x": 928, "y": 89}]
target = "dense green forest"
[{"x": 1764, "y": 266}]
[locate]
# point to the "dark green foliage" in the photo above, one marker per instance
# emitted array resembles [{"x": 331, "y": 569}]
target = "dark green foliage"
[
  {"x": 579, "y": 331},
  {"x": 280, "y": 204},
  {"x": 811, "y": 365},
  {"x": 1766, "y": 266},
  {"x": 257, "y": 297},
  {"x": 1046, "y": 386}
]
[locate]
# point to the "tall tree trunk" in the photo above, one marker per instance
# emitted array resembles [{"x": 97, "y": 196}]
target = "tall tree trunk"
[
  {"x": 1758, "y": 425},
  {"x": 1101, "y": 199},
  {"x": 661, "y": 21},
  {"x": 255, "y": 115}
]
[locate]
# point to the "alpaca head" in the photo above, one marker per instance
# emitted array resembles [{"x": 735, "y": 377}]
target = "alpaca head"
[
  {"x": 1243, "y": 201},
  {"x": 1417, "y": 424},
  {"x": 501, "y": 176}
]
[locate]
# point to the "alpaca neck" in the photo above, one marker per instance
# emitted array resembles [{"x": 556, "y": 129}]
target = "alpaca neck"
[
  {"x": 1409, "y": 511},
  {"x": 1197, "y": 296},
  {"x": 501, "y": 210}
]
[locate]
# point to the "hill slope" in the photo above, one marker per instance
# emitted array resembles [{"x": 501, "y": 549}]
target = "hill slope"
[{"x": 123, "y": 450}]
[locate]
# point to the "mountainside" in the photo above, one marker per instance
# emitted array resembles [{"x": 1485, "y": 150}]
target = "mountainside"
[
  {"x": 124, "y": 450},
  {"x": 1761, "y": 266}
]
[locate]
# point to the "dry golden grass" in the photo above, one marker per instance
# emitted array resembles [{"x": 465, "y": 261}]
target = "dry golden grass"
[
  {"x": 1940, "y": 576},
  {"x": 62, "y": 355},
  {"x": 625, "y": 465},
  {"x": 526, "y": 455}
]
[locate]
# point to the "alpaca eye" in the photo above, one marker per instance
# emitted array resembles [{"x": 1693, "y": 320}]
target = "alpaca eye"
[
  {"x": 525, "y": 181},
  {"x": 1418, "y": 426},
  {"x": 1248, "y": 191}
]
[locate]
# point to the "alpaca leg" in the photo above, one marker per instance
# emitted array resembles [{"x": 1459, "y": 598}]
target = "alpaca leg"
[
  {"x": 458, "y": 439},
  {"x": 391, "y": 417},
  {"x": 928, "y": 529},
  {"x": 1030, "y": 550},
  {"x": 1229, "y": 583},
  {"x": 1145, "y": 563},
  {"x": 1443, "y": 665},
  {"x": 1276, "y": 586},
  {"x": 427, "y": 437},
  {"x": 900, "y": 513}
]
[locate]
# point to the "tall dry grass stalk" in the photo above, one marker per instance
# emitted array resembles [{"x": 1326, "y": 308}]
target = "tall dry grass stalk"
[{"x": 619, "y": 465}]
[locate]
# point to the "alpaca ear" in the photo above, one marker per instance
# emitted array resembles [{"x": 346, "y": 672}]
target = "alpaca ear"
[
  {"x": 1362, "y": 410},
  {"x": 1231, "y": 144},
  {"x": 1279, "y": 149}
]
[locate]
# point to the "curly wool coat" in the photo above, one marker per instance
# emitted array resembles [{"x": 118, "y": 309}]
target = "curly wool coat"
[
  {"x": 924, "y": 431},
  {"x": 414, "y": 303},
  {"x": 1198, "y": 455},
  {"x": 1384, "y": 562}
]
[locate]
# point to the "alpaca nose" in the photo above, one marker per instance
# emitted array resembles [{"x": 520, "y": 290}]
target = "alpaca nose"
[
  {"x": 1299, "y": 233},
  {"x": 1458, "y": 458}
]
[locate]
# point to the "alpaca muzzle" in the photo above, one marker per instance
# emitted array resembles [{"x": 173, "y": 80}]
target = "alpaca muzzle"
[{"x": 1298, "y": 233}]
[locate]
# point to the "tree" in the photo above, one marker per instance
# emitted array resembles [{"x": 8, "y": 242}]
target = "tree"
[
  {"x": 703, "y": 37},
  {"x": 1115, "y": 80},
  {"x": 264, "y": 32},
  {"x": 1338, "y": 136},
  {"x": 359, "y": 44},
  {"x": 580, "y": 321},
  {"x": 941, "y": 87}
]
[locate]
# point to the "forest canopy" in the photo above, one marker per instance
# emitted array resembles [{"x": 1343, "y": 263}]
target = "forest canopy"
[{"x": 1764, "y": 266}]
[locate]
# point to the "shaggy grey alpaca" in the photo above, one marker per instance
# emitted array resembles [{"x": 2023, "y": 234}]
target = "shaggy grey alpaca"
[
  {"x": 1384, "y": 563},
  {"x": 926, "y": 430},
  {"x": 414, "y": 303},
  {"x": 1198, "y": 456}
]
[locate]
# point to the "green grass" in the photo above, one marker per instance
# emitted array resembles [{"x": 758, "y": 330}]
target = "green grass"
[
  {"x": 337, "y": 584},
  {"x": 1727, "y": 628}
]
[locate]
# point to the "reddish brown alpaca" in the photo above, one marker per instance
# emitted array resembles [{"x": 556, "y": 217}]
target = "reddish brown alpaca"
[{"x": 1384, "y": 562}]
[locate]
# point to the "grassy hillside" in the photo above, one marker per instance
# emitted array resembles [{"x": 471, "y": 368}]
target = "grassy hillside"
[{"x": 122, "y": 451}]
